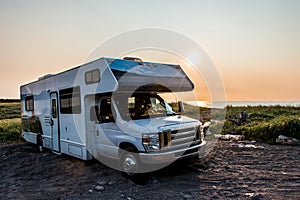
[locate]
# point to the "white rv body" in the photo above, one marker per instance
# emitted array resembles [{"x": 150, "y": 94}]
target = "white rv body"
[
  {"x": 58, "y": 111},
  {"x": 68, "y": 135}
]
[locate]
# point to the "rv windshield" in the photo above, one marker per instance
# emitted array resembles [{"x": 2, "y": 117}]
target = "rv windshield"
[{"x": 142, "y": 106}]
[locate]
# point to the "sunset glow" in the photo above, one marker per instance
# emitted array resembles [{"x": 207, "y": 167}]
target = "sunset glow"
[{"x": 254, "y": 45}]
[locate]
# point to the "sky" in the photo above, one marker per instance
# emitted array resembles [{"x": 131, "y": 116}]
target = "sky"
[{"x": 255, "y": 45}]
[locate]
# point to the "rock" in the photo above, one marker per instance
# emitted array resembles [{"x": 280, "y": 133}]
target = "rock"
[
  {"x": 254, "y": 146},
  {"x": 103, "y": 182},
  {"x": 257, "y": 197},
  {"x": 211, "y": 165},
  {"x": 234, "y": 145},
  {"x": 241, "y": 145},
  {"x": 249, "y": 194},
  {"x": 185, "y": 196},
  {"x": 155, "y": 181},
  {"x": 122, "y": 195},
  {"x": 111, "y": 183},
  {"x": 90, "y": 191},
  {"x": 99, "y": 188},
  {"x": 286, "y": 140},
  {"x": 231, "y": 137},
  {"x": 248, "y": 142}
]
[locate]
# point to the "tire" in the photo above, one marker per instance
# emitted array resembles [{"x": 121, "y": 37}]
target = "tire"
[{"x": 130, "y": 164}]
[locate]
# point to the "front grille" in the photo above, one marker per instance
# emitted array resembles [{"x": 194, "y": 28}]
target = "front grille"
[{"x": 179, "y": 139}]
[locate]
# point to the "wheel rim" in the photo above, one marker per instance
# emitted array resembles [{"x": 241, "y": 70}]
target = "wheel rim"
[{"x": 129, "y": 164}]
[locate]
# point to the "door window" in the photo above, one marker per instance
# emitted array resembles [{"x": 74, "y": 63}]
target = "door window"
[
  {"x": 106, "y": 114},
  {"x": 54, "y": 108}
]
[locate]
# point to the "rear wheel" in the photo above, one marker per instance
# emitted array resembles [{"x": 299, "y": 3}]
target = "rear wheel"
[{"x": 39, "y": 142}]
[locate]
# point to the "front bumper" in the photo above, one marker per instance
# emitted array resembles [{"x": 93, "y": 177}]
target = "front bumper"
[{"x": 169, "y": 156}]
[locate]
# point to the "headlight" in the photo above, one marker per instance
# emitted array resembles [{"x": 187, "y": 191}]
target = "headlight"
[{"x": 151, "y": 142}]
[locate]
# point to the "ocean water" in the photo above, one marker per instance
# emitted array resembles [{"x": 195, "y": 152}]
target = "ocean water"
[{"x": 221, "y": 104}]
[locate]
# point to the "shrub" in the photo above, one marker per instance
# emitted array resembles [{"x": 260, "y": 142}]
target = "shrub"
[
  {"x": 269, "y": 131},
  {"x": 264, "y": 124},
  {"x": 10, "y": 130},
  {"x": 10, "y": 110}
]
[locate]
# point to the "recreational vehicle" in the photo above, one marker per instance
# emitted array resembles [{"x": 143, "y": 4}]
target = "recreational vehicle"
[{"x": 112, "y": 108}]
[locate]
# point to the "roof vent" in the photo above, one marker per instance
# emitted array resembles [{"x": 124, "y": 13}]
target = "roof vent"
[{"x": 135, "y": 59}]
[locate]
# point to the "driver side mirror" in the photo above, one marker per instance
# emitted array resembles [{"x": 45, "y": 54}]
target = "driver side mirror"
[{"x": 180, "y": 107}]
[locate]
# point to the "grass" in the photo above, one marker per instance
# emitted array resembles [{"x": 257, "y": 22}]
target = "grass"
[
  {"x": 264, "y": 123},
  {"x": 10, "y": 121},
  {"x": 10, "y": 110},
  {"x": 10, "y": 130}
]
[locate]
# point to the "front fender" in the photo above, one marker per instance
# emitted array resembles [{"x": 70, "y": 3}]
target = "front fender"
[{"x": 135, "y": 141}]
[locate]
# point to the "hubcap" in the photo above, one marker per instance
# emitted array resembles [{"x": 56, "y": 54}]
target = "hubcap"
[{"x": 129, "y": 164}]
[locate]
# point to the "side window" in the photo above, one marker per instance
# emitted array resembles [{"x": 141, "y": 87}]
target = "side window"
[
  {"x": 70, "y": 102},
  {"x": 92, "y": 76},
  {"x": 54, "y": 108},
  {"x": 29, "y": 104},
  {"x": 106, "y": 114}
]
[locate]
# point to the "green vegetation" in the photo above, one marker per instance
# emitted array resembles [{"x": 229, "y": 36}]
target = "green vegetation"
[
  {"x": 262, "y": 123},
  {"x": 10, "y": 122},
  {"x": 10, "y": 110},
  {"x": 10, "y": 130}
]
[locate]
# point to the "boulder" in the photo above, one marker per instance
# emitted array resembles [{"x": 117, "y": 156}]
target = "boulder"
[
  {"x": 286, "y": 140},
  {"x": 99, "y": 188}
]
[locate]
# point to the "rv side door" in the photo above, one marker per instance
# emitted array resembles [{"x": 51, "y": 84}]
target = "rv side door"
[{"x": 54, "y": 122}]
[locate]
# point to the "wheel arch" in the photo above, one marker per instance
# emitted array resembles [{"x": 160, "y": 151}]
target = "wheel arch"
[{"x": 127, "y": 145}]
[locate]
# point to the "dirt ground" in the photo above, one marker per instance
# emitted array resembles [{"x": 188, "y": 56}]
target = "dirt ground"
[{"x": 229, "y": 171}]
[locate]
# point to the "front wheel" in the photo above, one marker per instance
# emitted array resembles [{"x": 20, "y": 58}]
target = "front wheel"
[{"x": 130, "y": 164}]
